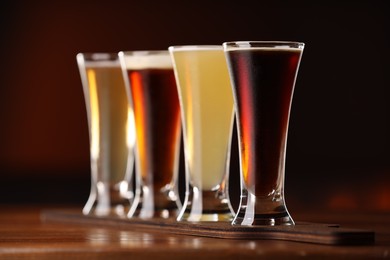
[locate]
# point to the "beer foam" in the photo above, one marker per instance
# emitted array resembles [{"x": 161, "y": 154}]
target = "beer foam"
[
  {"x": 102, "y": 64},
  {"x": 267, "y": 46},
  {"x": 278, "y": 48},
  {"x": 196, "y": 48},
  {"x": 145, "y": 60}
]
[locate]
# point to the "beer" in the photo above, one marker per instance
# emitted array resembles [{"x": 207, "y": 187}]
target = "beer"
[
  {"x": 207, "y": 103},
  {"x": 158, "y": 126},
  {"x": 157, "y": 117},
  {"x": 110, "y": 120},
  {"x": 264, "y": 81}
]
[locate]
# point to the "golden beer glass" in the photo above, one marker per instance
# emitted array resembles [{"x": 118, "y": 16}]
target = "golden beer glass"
[{"x": 111, "y": 134}]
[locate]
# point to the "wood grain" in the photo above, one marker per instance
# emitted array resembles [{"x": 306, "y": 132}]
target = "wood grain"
[
  {"x": 329, "y": 234},
  {"x": 25, "y": 235}
]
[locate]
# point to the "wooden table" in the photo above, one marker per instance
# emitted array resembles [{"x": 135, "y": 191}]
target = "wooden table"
[{"x": 23, "y": 235}]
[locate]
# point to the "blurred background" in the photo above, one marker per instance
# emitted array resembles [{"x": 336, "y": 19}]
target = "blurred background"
[{"x": 338, "y": 155}]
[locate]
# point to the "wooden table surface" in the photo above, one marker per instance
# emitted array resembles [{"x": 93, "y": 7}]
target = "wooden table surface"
[{"x": 23, "y": 235}]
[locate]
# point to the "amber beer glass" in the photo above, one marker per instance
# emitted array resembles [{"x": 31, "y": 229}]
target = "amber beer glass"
[
  {"x": 206, "y": 103},
  {"x": 153, "y": 92},
  {"x": 263, "y": 76},
  {"x": 111, "y": 134}
]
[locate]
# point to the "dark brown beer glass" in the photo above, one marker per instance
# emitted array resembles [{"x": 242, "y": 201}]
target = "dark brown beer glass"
[
  {"x": 263, "y": 76},
  {"x": 153, "y": 92}
]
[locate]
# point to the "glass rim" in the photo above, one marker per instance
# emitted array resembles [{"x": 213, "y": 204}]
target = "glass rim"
[
  {"x": 146, "y": 59},
  {"x": 143, "y": 52},
  {"x": 97, "y": 56},
  {"x": 195, "y": 47},
  {"x": 263, "y": 44}
]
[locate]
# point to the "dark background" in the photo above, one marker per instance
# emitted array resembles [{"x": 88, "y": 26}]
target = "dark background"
[{"x": 338, "y": 154}]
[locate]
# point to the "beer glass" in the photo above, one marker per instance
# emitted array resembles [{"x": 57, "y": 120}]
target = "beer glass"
[
  {"x": 152, "y": 86},
  {"x": 263, "y": 76},
  {"x": 111, "y": 134},
  {"x": 207, "y": 114}
]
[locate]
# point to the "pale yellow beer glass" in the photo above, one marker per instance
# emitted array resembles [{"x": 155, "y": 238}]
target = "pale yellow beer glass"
[
  {"x": 206, "y": 103},
  {"x": 111, "y": 134}
]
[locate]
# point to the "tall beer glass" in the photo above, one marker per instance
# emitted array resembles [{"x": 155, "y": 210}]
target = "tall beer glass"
[
  {"x": 158, "y": 132},
  {"x": 207, "y": 114},
  {"x": 111, "y": 134},
  {"x": 263, "y": 76}
]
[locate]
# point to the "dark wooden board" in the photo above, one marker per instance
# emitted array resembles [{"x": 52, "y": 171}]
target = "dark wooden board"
[{"x": 330, "y": 234}]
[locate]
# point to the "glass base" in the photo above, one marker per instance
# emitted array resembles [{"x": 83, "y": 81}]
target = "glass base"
[
  {"x": 206, "y": 206},
  {"x": 108, "y": 201},
  {"x": 155, "y": 204},
  {"x": 268, "y": 211},
  {"x": 263, "y": 219}
]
